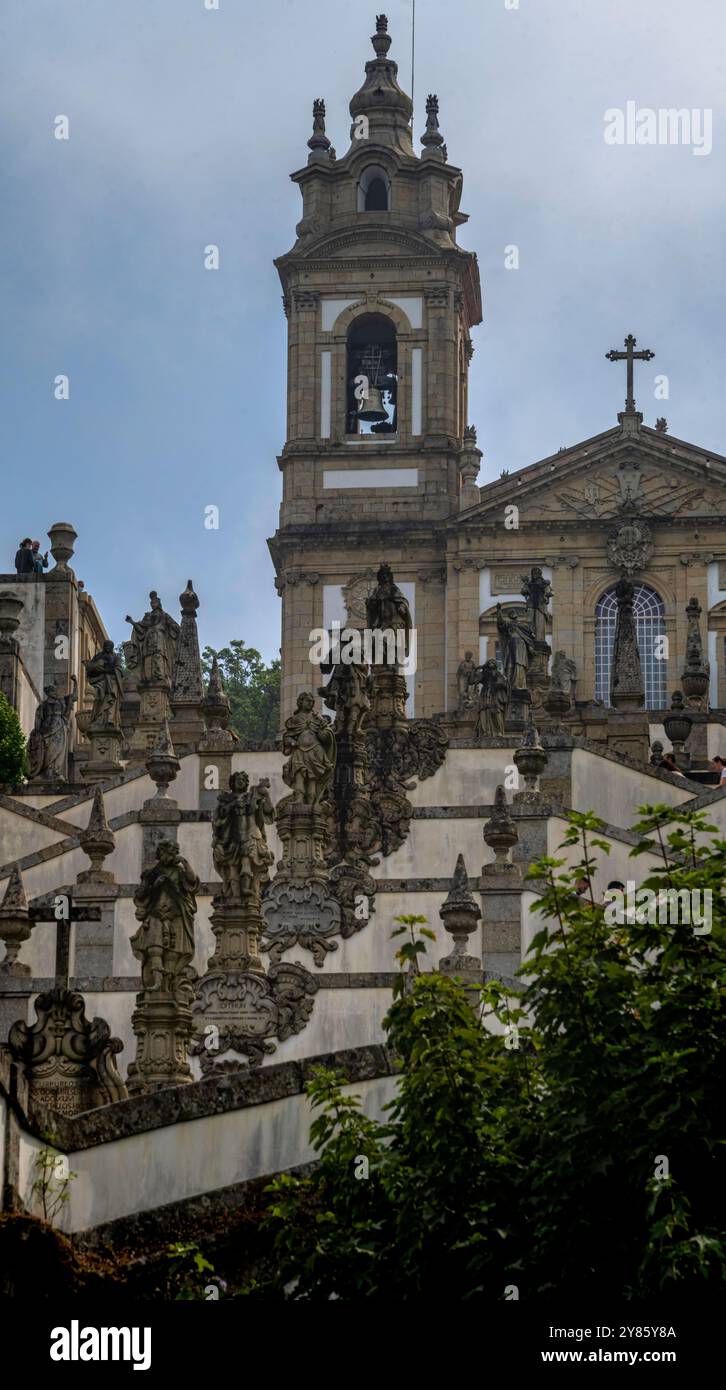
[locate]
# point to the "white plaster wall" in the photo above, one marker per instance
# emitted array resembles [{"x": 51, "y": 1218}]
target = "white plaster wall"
[
  {"x": 613, "y": 791},
  {"x": 468, "y": 777},
  {"x": 184, "y": 1160},
  {"x": 20, "y": 836},
  {"x": 615, "y": 865},
  {"x": 431, "y": 848}
]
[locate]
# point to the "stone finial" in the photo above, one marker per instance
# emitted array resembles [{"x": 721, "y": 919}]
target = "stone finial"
[
  {"x": 14, "y": 924},
  {"x": 97, "y": 842},
  {"x": 188, "y": 601},
  {"x": 661, "y": 424},
  {"x": 381, "y": 111},
  {"x": 470, "y": 458},
  {"x": 381, "y": 40},
  {"x": 187, "y": 689},
  {"x": 656, "y": 753},
  {"x": 162, "y": 763},
  {"x": 460, "y": 915},
  {"x": 432, "y": 139},
  {"x": 319, "y": 140},
  {"x": 500, "y": 834}
]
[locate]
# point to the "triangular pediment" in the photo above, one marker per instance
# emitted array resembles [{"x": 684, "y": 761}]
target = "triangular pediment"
[{"x": 645, "y": 472}]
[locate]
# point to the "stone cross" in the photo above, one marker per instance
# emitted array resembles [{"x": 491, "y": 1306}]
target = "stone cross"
[{"x": 630, "y": 356}]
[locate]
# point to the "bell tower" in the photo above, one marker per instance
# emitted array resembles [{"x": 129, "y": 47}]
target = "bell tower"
[{"x": 380, "y": 303}]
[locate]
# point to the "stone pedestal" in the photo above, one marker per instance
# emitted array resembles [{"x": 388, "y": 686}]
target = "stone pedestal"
[
  {"x": 104, "y": 760},
  {"x": 163, "y": 1029},
  {"x": 628, "y": 732},
  {"x": 298, "y": 908},
  {"x": 154, "y": 710}
]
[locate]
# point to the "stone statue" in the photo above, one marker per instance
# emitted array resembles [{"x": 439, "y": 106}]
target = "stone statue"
[
  {"x": 627, "y": 690},
  {"x": 50, "y": 739},
  {"x": 387, "y": 609},
  {"x": 347, "y": 693},
  {"x": 153, "y": 643},
  {"x": 465, "y": 673},
  {"x": 518, "y": 647},
  {"x": 493, "y": 700},
  {"x": 564, "y": 674},
  {"x": 240, "y": 851},
  {"x": 309, "y": 742},
  {"x": 105, "y": 675},
  {"x": 165, "y": 906},
  {"x": 537, "y": 591}
]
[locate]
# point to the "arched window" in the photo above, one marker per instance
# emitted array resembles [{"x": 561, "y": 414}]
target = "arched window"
[
  {"x": 649, "y": 614},
  {"x": 374, "y": 190},
  {"x": 372, "y": 376}
]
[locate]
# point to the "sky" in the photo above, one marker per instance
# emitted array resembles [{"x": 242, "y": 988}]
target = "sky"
[{"x": 184, "y": 125}]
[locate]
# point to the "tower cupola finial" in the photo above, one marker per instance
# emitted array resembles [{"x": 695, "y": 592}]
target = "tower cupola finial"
[
  {"x": 432, "y": 139},
  {"x": 381, "y": 40},
  {"x": 319, "y": 140}
]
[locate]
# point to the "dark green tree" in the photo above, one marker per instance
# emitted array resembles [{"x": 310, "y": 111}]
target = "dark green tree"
[
  {"x": 577, "y": 1143},
  {"x": 253, "y": 689},
  {"x": 13, "y": 765}
]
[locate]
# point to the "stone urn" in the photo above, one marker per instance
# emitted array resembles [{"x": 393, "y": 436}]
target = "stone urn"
[
  {"x": 10, "y": 612},
  {"x": 500, "y": 834},
  {"x": 14, "y": 925},
  {"x": 63, "y": 537},
  {"x": 695, "y": 683},
  {"x": 162, "y": 763},
  {"x": 460, "y": 916},
  {"x": 677, "y": 724},
  {"x": 530, "y": 759},
  {"x": 557, "y": 703}
]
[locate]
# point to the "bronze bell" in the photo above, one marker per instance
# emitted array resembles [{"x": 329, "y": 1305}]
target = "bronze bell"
[{"x": 371, "y": 406}]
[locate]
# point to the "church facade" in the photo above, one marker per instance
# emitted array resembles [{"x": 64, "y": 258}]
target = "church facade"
[
  {"x": 190, "y": 924},
  {"x": 376, "y": 283}
]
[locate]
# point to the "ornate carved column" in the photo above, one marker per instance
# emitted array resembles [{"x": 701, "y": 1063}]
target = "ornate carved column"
[
  {"x": 239, "y": 1007},
  {"x": 166, "y": 905}
]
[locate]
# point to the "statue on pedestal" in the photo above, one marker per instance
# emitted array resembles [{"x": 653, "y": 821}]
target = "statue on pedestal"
[
  {"x": 49, "y": 741},
  {"x": 466, "y": 672},
  {"x": 564, "y": 674},
  {"x": 240, "y": 851},
  {"x": 518, "y": 647},
  {"x": 105, "y": 676},
  {"x": 309, "y": 742},
  {"x": 387, "y": 608},
  {"x": 538, "y": 592},
  {"x": 166, "y": 906},
  {"x": 152, "y": 645},
  {"x": 493, "y": 700}
]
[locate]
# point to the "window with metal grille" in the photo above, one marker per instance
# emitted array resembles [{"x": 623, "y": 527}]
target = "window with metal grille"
[{"x": 649, "y": 614}]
